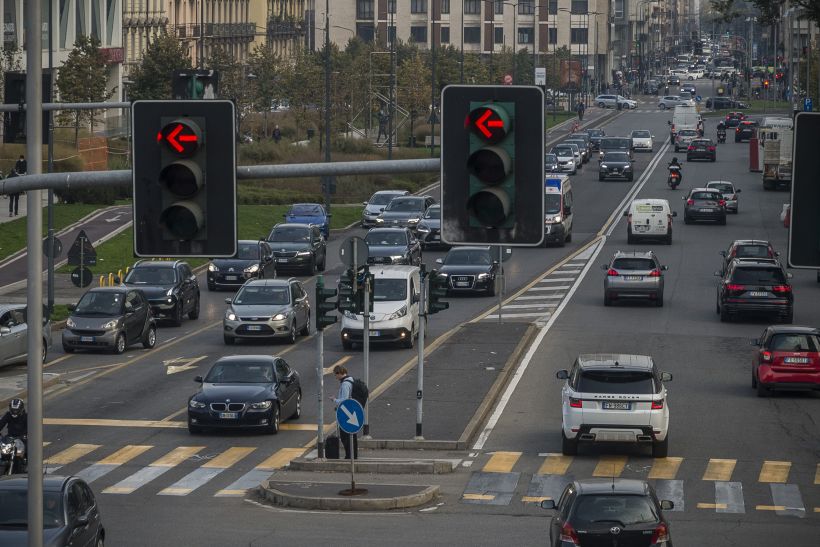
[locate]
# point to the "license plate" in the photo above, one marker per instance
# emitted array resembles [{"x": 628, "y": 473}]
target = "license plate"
[
  {"x": 707, "y": 210},
  {"x": 230, "y": 278},
  {"x": 375, "y": 333},
  {"x": 641, "y": 228},
  {"x": 462, "y": 284},
  {"x": 435, "y": 238},
  {"x": 281, "y": 260},
  {"x": 758, "y": 293},
  {"x": 633, "y": 277},
  {"x": 616, "y": 405},
  {"x": 254, "y": 327},
  {"x": 797, "y": 360},
  {"x": 229, "y": 415},
  {"x": 86, "y": 338}
]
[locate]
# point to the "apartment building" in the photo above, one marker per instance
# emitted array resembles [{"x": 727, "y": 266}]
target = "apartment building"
[
  {"x": 285, "y": 28},
  {"x": 227, "y": 25}
]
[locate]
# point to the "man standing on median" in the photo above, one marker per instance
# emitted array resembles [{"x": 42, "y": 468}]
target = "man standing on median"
[{"x": 345, "y": 392}]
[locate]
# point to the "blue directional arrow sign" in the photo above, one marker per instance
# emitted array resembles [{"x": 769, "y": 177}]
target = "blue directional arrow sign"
[{"x": 350, "y": 416}]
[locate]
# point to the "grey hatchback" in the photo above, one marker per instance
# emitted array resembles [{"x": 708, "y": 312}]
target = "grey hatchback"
[
  {"x": 14, "y": 334},
  {"x": 267, "y": 308},
  {"x": 633, "y": 275}
]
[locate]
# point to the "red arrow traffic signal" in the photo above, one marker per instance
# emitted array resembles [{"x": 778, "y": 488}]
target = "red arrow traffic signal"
[
  {"x": 181, "y": 137},
  {"x": 489, "y": 123}
]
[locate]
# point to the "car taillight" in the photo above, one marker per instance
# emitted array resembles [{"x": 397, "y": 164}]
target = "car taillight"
[
  {"x": 722, "y": 202},
  {"x": 575, "y": 403},
  {"x": 657, "y": 405},
  {"x": 690, "y": 147},
  {"x": 629, "y": 218},
  {"x": 782, "y": 288},
  {"x": 612, "y": 272},
  {"x": 669, "y": 218},
  {"x": 690, "y": 201},
  {"x": 737, "y": 129},
  {"x": 711, "y": 149},
  {"x": 766, "y": 356},
  {"x": 661, "y": 534},
  {"x": 734, "y": 287},
  {"x": 655, "y": 273},
  {"x": 568, "y": 534}
]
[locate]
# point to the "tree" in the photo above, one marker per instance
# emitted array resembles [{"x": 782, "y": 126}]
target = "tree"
[
  {"x": 83, "y": 78},
  {"x": 233, "y": 83},
  {"x": 267, "y": 68},
  {"x": 152, "y": 77},
  {"x": 304, "y": 84},
  {"x": 413, "y": 80}
]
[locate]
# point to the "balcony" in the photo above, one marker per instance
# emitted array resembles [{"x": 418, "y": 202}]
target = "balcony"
[
  {"x": 230, "y": 30},
  {"x": 187, "y": 31},
  {"x": 284, "y": 28}
]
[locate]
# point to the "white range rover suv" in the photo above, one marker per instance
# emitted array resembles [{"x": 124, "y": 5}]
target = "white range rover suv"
[{"x": 614, "y": 398}]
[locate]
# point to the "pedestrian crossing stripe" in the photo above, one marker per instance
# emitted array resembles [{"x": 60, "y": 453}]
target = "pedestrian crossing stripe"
[
  {"x": 555, "y": 464},
  {"x": 113, "y": 461},
  {"x": 156, "y": 469},
  {"x": 261, "y": 472},
  {"x": 719, "y": 470},
  {"x": 71, "y": 454},
  {"x": 206, "y": 472},
  {"x": 817, "y": 475},
  {"x": 610, "y": 466},
  {"x": 774, "y": 471},
  {"x": 665, "y": 468},
  {"x": 501, "y": 462}
]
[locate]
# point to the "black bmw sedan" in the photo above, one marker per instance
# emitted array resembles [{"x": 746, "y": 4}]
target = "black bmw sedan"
[
  {"x": 246, "y": 392},
  {"x": 469, "y": 269}
]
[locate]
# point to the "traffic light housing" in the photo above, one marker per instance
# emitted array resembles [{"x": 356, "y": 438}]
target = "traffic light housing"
[
  {"x": 184, "y": 178},
  {"x": 492, "y": 165},
  {"x": 437, "y": 290},
  {"x": 323, "y": 305},
  {"x": 194, "y": 84},
  {"x": 347, "y": 293},
  {"x": 804, "y": 227}
]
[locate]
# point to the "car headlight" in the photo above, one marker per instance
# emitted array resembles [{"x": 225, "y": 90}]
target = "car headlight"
[
  {"x": 483, "y": 276},
  {"x": 349, "y": 314},
  {"x": 627, "y": 167},
  {"x": 230, "y": 315},
  {"x": 262, "y": 405},
  {"x": 556, "y": 218},
  {"x": 170, "y": 292},
  {"x": 252, "y": 269},
  {"x": 395, "y": 258},
  {"x": 111, "y": 324},
  {"x": 379, "y": 220},
  {"x": 604, "y": 166},
  {"x": 213, "y": 267},
  {"x": 412, "y": 220},
  {"x": 442, "y": 275},
  {"x": 70, "y": 323},
  {"x": 423, "y": 228},
  {"x": 193, "y": 403},
  {"x": 401, "y": 312},
  {"x": 303, "y": 253},
  {"x": 279, "y": 317}
]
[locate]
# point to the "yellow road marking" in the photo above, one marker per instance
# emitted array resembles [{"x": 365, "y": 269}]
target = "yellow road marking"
[
  {"x": 229, "y": 457},
  {"x": 342, "y": 361},
  {"x": 711, "y": 506},
  {"x": 232, "y": 492},
  {"x": 113, "y": 423},
  {"x": 118, "y": 490},
  {"x": 46, "y": 443},
  {"x": 501, "y": 462},
  {"x": 770, "y": 507},
  {"x": 57, "y": 360},
  {"x": 817, "y": 509},
  {"x": 480, "y": 497},
  {"x": 665, "y": 468},
  {"x": 281, "y": 458},
  {"x": 773, "y": 471},
  {"x": 610, "y": 466},
  {"x": 817, "y": 475},
  {"x": 719, "y": 470},
  {"x": 71, "y": 454},
  {"x": 535, "y": 499},
  {"x": 177, "y": 456},
  {"x": 555, "y": 464},
  {"x": 176, "y": 491},
  {"x": 125, "y": 454},
  {"x": 299, "y": 427},
  {"x": 170, "y": 417}
]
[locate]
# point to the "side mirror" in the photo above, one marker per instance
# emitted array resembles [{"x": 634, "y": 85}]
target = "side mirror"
[
  {"x": 71, "y": 307},
  {"x": 722, "y": 253},
  {"x": 737, "y": 190},
  {"x": 81, "y": 521},
  {"x": 562, "y": 374},
  {"x": 4, "y": 331},
  {"x": 668, "y": 122},
  {"x": 754, "y": 342},
  {"x": 416, "y": 298},
  {"x": 717, "y": 274},
  {"x": 381, "y": 209},
  {"x": 285, "y": 215},
  {"x": 364, "y": 203},
  {"x": 198, "y": 379},
  {"x": 674, "y": 213},
  {"x": 439, "y": 261},
  {"x": 789, "y": 276},
  {"x": 683, "y": 198},
  {"x": 268, "y": 258},
  {"x": 777, "y": 253},
  {"x": 666, "y": 376},
  {"x": 227, "y": 300},
  {"x": 547, "y": 504},
  {"x": 667, "y": 505},
  {"x": 664, "y": 268},
  {"x": 128, "y": 307}
]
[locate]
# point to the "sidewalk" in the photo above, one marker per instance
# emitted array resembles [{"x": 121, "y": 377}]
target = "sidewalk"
[{"x": 22, "y": 207}]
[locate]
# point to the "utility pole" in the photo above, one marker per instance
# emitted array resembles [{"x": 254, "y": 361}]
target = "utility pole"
[
  {"x": 201, "y": 60},
  {"x": 50, "y": 245},
  {"x": 326, "y": 182},
  {"x": 390, "y": 95},
  {"x": 433, "y": 84}
]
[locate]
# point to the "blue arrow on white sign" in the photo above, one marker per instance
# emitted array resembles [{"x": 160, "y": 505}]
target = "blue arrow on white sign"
[{"x": 350, "y": 416}]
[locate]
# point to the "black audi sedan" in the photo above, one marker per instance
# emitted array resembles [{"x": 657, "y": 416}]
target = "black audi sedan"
[
  {"x": 393, "y": 246},
  {"x": 245, "y": 392},
  {"x": 704, "y": 204},
  {"x": 616, "y": 165},
  {"x": 469, "y": 270},
  {"x": 701, "y": 149},
  {"x": 253, "y": 260},
  {"x": 609, "y": 512}
]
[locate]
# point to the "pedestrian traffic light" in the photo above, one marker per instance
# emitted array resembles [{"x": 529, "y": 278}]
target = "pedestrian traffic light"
[
  {"x": 194, "y": 84},
  {"x": 437, "y": 291},
  {"x": 323, "y": 305},
  {"x": 492, "y": 165},
  {"x": 804, "y": 227},
  {"x": 184, "y": 178}
]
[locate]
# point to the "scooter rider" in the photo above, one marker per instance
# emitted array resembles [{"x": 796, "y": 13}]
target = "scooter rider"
[
  {"x": 16, "y": 419},
  {"x": 676, "y": 167}
]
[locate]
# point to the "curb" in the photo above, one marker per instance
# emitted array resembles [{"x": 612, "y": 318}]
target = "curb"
[
  {"x": 379, "y": 466},
  {"x": 410, "y": 444},
  {"x": 277, "y": 497}
]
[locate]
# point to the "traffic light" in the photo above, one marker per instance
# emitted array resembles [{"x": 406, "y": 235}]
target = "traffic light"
[
  {"x": 492, "y": 165},
  {"x": 323, "y": 306},
  {"x": 184, "y": 178},
  {"x": 194, "y": 84},
  {"x": 438, "y": 290},
  {"x": 347, "y": 293},
  {"x": 804, "y": 228},
  {"x": 765, "y": 84}
]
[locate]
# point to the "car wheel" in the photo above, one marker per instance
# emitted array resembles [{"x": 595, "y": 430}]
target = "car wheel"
[
  {"x": 713, "y": 159},
  {"x": 662, "y": 106},
  {"x": 44, "y": 352},
  {"x": 306, "y": 329},
  {"x": 194, "y": 313},
  {"x": 687, "y": 220},
  {"x": 601, "y": 177},
  {"x": 569, "y": 237},
  {"x": 323, "y": 264},
  {"x": 569, "y": 447},
  {"x": 788, "y": 319},
  {"x": 229, "y": 340},
  {"x": 177, "y": 320},
  {"x": 668, "y": 239},
  {"x": 298, "y": 411},
  {"x": 754, "y": 379},
  {"x": 491, "y": 290},
  {"x": 311, "y": 269},
  {"x": 631, "y": 178},
  {"x": 150, "y": 339},
  {"x": 724, "y": 315},
  {"x": 291, "y": 339},
  {"x": 762, "y": 390},
  {"x": 211, "y": 287},
  {"x": 194, "y": 429},
  {"x": 100, "y": 542},
  {"x": 273, "y": 428},
  {"x": 601, "y": 105},
  {"x": 659, "y": 300},
  {"x": 722, "y": 221},
  {"x": 408, "y": 342},
  {"x": 661, "y": 449},
  {"x": 119, "y": 344},
  {"x": 67, "y": 349},
  {"x": 629, "y": 237},
  {"x": 347, "y": 345}
]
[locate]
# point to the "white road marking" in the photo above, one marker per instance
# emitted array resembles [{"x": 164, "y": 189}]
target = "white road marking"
[
  {"x": 525, "y": 306},
  {"x": 556, "y": 279},
  {"x": 553, "y": 288},
  {"x": 509, "y": 315}
]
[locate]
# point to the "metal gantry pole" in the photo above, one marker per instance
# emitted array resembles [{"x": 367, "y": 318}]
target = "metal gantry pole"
[
  {"x": 390, "y": 99},
  {"x": 422, "y": 331},
  {"x": 34, "y": 263},
  {"x": 433, "y": 84},
  {"x": 327, "y": 180},
  {"x": 50, "y": 245},
  {"x": 320, "y": 377},
  {"x": 501, "y": 285},
  {"x": 366, "y": 348}
]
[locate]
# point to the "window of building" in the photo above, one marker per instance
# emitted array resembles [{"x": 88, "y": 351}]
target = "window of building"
[
  {"x": 95, "y": 21},
  {"x": 579, "y": 6},
  {"x": 391, "y": 6},
  {"x": 110, "y": 17},
  {"x": 618, "y": 11},
  {"x": 445, "y": 35},
  {"x": 418, "y": 34},
  {"x": 472, "y": 7},
  {"x": 498, "y": 7},
  {"x": 553, "y": 36},
  {"x": 499, "y": 35},
  {"x": 445, "y": 7},
  {"x": 364, "y": 9},
  {"x": 391, "y": 34},
  {"x": 79, "y": 19},
  {"x": 525, "y": 35},
  {"x": 472, "y": 35},
  {"x": 526, "y": 7},
  {"x": 553, "y": 7},
  {"x": 418, "y": 6},
  {"x": 578, "y": 35},
  {"x": 365, "y": 31}
]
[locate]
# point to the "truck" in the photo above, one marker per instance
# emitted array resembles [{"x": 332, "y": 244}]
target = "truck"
[{"x": 775, "y": 138}]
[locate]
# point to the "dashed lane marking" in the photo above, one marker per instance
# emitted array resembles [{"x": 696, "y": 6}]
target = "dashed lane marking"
[
  {"x": 511, "y": 315},
  {"x": 773, "y": 471},
  {"x": 557, "y": 280}
]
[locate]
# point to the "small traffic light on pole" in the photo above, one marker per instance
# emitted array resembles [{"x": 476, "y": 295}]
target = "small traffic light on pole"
[
  {"x": 184, "y": 178},
  {"x": 194, "y": 84},
  {"x": 492, "y": 165},
  {"x": 438, "y": 290},
  {"x": 347, "y": 293},
  {"x": 323, "y": 305}
]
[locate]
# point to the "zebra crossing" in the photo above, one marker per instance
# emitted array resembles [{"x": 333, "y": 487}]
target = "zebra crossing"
[
  {"x": 124, "y": 470},
  {"x": 719, "y": 485}
]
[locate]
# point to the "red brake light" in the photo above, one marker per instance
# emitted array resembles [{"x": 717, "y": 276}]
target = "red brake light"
[
  {"x": 661, "y": 534},
  {"x": 711, "y": 149},
  {"x": 568, "y": 534},
  {"x": 657, "y": 405},
  {"x": 690, "y": 201},
  {"x": 722, "y": 202},
  {"x": 737, "y": 129},
  {"x": 782, "y": 288},
  {"x": 655, "y": 273},
  {"x": 612, "y": 272},
  {"x": 734, "y": 287},
  {"x": 575, "y": 403},
  {"x": 691, "y": 147},
  {"x": 766, "y": 356}
]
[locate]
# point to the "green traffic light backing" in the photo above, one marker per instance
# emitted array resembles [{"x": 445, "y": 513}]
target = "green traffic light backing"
[{"x": 491, "y": 165}]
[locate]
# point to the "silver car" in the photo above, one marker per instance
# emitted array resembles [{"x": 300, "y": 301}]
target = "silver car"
[
  {"x": 729, "y": 191},
  {"x": 684, "y": 138},
  {"x": 633, "y": 275},
  {"x": 266, "y": 309},
  {"x": 576, "y": 152},
  {"x": 566, "y": 159},
  {"x": 376, "y": 204},
  {"x": 14, "y": 334}
]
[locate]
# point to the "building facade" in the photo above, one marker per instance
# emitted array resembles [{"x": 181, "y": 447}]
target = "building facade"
[
  {"x": 285, "y": 29},
  {"x": 142, "y": 21},
  {"x": 227, "y": 25}
]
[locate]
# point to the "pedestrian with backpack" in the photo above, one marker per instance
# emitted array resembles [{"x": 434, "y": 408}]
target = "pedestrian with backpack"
[{"x": 349, "y": 388}]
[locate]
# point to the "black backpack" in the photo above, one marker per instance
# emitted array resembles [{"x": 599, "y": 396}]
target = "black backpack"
[{"x": 358, "y": 390}]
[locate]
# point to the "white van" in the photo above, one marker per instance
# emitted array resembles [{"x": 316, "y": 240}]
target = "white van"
[
  {"x": 395, "y": 315},
  {"x": 557, "y": 210},
  {"x": 684, "y": 117},
  {"x": 649, "y": 219}
]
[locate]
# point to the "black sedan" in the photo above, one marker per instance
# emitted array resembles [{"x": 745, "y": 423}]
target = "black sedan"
[
  {"x": 70, "y": 512},
  {"x": 595, "y": 136},
  {"x": 594, "y": 511},
  {"x": 429, "y": 229},
  {"x": 701, "y": 149},
  {"x": 745, "y": 130},
  {"x": 704, "y": 204},
  {"x": 253, "y": 260},
  {"x": 246, "y": 392},
  {"x": 469, "y": 269},
  {"x": 616, "y": 165},
  {"x": 393, "y": 246}
]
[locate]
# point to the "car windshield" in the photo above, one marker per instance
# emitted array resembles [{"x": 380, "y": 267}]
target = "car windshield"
[
  {"x": 151, "y": 275},
  {"x": 290, "y": 235},
  {"x": 722, "y": 187},
  {"x": 389, "y": 290},
  {"x": 401, "y": 204},
  {"x": 261, "y": 295},
  {"x": 752, "y": 251},
  {"x": 633, "y": 264},
  {"x": 247, "y": 251},
  {"x": 306, "y": 210},
  {"x": 705, "y": 195},
  {"x": 381, "y": 199},
  {"x": 620, "y": 509},
  {"x": 637, "y": 382},
  {"x": 595, "y": 132},
  {"x": 550, "y": 158},
  {"x": 615, "y": 143},
  {"x": 758, "y": 276},
  {"x": 13, "y": 509},
  {"x": 468, "y": 257},
  {"x": 562, "y": 151},
  {"x": 552, "y": 204},
  {"x": 795, "y": 342},
  {"x": 250, "y": 372},
  {"x": 433, "y": 212},
  {"x": 642, "y": 134},
  {"x": 616, "y": 156},
  {"x": 386, "y": 239},
  {"x": 100, "y": 303}
]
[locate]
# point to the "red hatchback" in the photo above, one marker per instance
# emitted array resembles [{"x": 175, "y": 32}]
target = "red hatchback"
[{"x": 787, "y": 358}]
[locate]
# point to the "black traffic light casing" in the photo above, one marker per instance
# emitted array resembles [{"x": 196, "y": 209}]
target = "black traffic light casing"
[
  {"x": 187, "y": 84},
  {"x": 184, "y": 178},
  {"x": 14, "y": 123},
  {"x": 492, "y": 165},
  {"x": 324, "y": 307},
  {"x": 804, "y": 228},
  {"x": 437, "y": 290},
  {"x": 347, "y": 293}
]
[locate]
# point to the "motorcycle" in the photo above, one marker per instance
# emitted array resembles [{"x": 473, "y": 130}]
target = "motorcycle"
[
  {"x": 674, "y": 176},
  {"x": 721, "y": 136},
  {"x": 12, "y": 455}
]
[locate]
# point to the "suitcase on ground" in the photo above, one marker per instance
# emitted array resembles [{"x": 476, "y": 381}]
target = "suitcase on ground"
[{"x": 332, "y": 447}]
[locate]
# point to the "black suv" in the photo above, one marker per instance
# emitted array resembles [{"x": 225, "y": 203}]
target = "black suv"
[
  {"x": 755, "y": 286},
  {"x": 298, "y": 247},
  {"x": 171, "y": 288}
]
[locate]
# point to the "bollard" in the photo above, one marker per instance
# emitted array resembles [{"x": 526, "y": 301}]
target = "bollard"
[
  {"x": 754, "y": 155},
  {"x": 127, "y": 269},
  {"x": 119, "y": 276},
  {"x": 110, "y": 279},
  {"x": 102, "y": 281}
]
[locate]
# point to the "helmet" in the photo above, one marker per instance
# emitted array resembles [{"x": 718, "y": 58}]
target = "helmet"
[
  {"x": 16, "y": 407},
  {"x": 674, "y": 160}
]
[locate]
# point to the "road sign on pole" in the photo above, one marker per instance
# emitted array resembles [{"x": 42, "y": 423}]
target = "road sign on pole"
[
  {"x": 82, "y": 252},
  {"x": 807, "y": 104},
  {"x": 354, "y": 252},
  {"x": 350, "y": 416}
]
